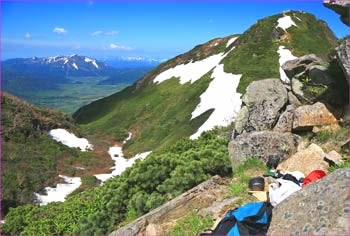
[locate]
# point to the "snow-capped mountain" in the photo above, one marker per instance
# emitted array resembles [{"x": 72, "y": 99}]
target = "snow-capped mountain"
[
  {"x": 132, "y": 61},
  {"x": 73, "y": 65}
]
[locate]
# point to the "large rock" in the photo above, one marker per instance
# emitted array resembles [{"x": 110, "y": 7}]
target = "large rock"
[
  {"x": 202, "y": 196},
  {"x": 306, "y": 161},
  {"x": 262, "y": 144},
  {"x": 322, "y": 207},
  {"x": 264, "y": 100},
  {"x": 319, "y": 75},
  {"x": 299, "y": 68},
  {"x": 285, "y": 122},
  {"x": 341, "y": 7},
  {"x": 293, "y": 100},
  {"x": 305, "y": 117}
]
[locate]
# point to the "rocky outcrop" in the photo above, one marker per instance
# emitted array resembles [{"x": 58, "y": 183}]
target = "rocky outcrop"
[
  {"x": 262, "y": 144},
  {"x": 299, "y": 68},
  {"x": 264, "y": 100},
  {"x": 343, "y": 57},
  {"x": 209, "y": 193},
  {"x": 322, "y": 207},
  {"x": 308, "y": 116},
  {"x": 309, "y": 78},
  {"x": 341, "y": 7},
  {"x": 306, "y": 161}
]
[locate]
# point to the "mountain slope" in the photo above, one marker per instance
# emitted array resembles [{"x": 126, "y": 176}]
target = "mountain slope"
[
  {"x": 158, "y": 109},
  {"x": 30, "y": 159}
]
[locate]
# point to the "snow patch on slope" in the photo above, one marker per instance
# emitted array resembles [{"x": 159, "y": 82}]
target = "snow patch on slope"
[
  {"x": 75, "y": 66},
  {"x": 92, "y": 61},
  {"x": 59, "y": 193},
  {"x": 231, "y": 41},
  {"x": 120, "y": 163},
  {"x": 285, "y": 55},
  {"x": 285, "y": 22},
  {"x": 70, "y": 140},
  {"x": 221, "y": 96},
  {"x": 192, "y": 71}
]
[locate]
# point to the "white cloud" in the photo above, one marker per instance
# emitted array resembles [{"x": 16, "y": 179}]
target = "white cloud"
[
  {"x": 98, "y": 32},
  {"x": 58, "y": 30},
  {"x": 28, "y": 35},
  {"x": 120, "y": 47},
  {"x": 112, "y": 32}
]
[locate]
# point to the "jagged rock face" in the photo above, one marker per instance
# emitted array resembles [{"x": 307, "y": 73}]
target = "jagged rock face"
[
  {"x": 308, "y": 116},
  {"x": 264, "y": 100},
  {"x": 341, "y": 7},
  {"x": 285, "y": 122},
  {"x": 343, "y": 58},
  {"x": 299, "y": 67},
  {"x": 261, "y": 145},
  {"x": 321, "y": 207}
]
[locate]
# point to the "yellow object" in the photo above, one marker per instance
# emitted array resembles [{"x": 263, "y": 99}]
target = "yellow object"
[{"x": 260, "y": 195}]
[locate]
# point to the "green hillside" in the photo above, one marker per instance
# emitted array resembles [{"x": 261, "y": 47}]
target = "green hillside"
[
  {"x": 30, "y": 159},
  {"x": 159, "y": 114}
]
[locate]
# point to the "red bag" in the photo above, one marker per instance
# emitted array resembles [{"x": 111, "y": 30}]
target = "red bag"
[{"x": 313, "y": 176}]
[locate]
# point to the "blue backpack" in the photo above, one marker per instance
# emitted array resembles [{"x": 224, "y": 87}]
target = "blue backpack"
[{"x": 251, "y": 219}]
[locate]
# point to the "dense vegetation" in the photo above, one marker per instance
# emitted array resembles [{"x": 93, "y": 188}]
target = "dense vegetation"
[
  {"x": 30, "y": 159},
  {"x": 146, "y": 185}
]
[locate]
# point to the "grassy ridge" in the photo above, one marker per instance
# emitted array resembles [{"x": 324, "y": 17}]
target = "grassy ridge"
[
  {"x": 256, "y": 56},
  {"x": 157, "y": 115}
]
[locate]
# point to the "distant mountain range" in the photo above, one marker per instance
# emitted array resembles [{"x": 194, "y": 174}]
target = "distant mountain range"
[
  {"x": 73, "y": 65},
  {"x": 132, "y": 62},
  {"x": 58, "y": 81}
]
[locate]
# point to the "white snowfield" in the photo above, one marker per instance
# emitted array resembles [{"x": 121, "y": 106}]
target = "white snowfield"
[
  {"x": 70, "y": 140},
  {"x": 220, "y": 95},
  {"x": 120, "y": 163},
  {"x": 192, "y": 71},
  {"x": 75, "y": 66},
  {"x": 285, "y": 55},
  {"x": 231, "y": 40},
  {"x": 59, "y": 193},
  {"x": 285, "y": 22}
]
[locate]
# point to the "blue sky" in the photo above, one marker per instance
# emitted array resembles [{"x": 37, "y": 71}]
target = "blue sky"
[{"x": 158, "y": 29}]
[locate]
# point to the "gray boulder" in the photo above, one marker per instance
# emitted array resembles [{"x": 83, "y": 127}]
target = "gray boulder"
[
  {"x": 341, "y": 7},
  {"x": 264, "y": 100},
  {"x": 285, "y": 122},
  {"x": 322, "y": 207},
  {"x": 298, "y": 68},
  {"x": 261, "y": 145}
]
